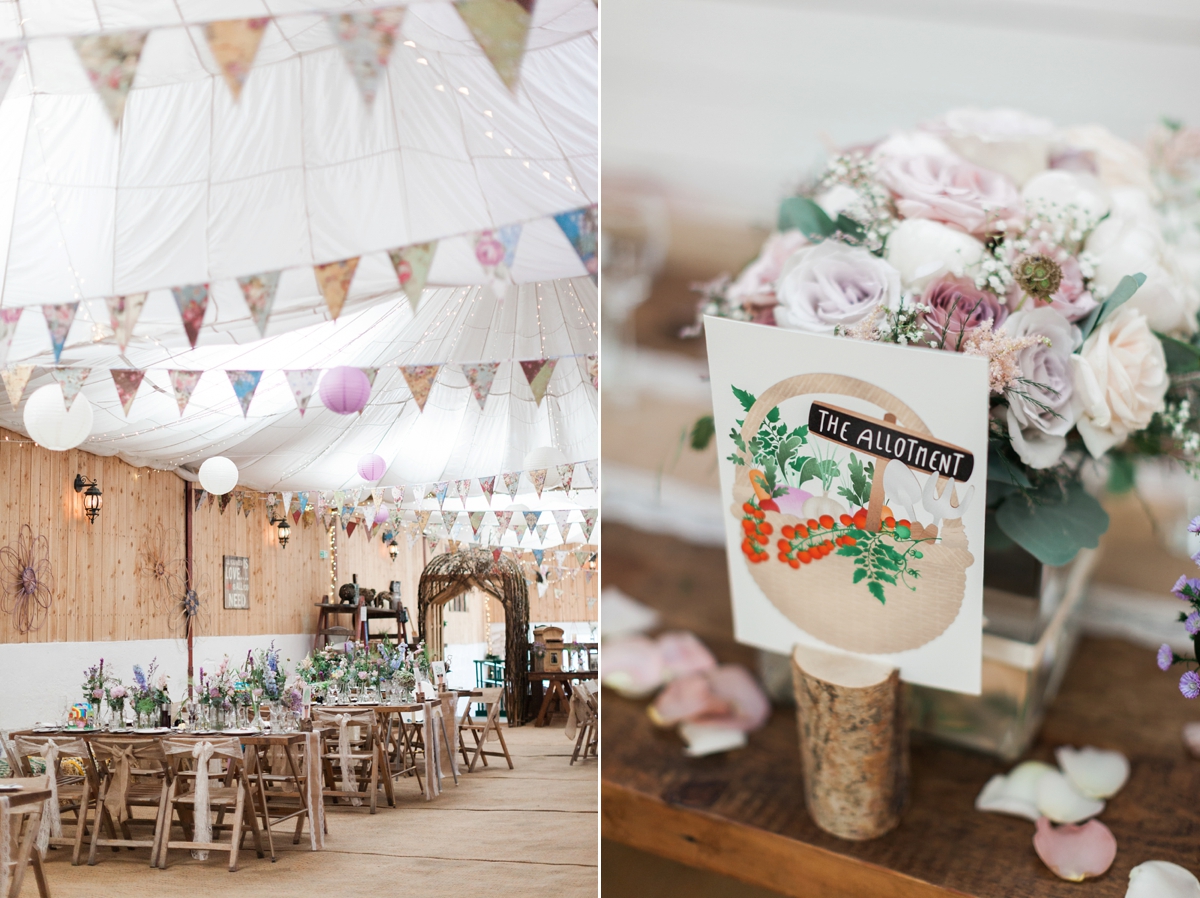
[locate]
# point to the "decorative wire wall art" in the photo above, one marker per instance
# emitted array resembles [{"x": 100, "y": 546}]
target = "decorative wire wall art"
[{"x": 27, "y": 584}]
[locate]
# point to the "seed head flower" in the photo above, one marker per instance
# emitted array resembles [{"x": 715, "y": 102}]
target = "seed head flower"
[
  {"x": 1189, "y": 684},
  {"x": 1166, "y": 657}
]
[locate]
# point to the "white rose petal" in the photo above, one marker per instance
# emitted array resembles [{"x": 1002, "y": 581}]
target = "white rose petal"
[
  {"x": 1062, "y": 802},
  {"x": 1016, "y": 793},
  {"x": 923, "y": 250},
  {"x": 1059, "y": 189},
  {"x": 1094, "y": 772},
  {"x": 1118, "y": 162},
  {"x": 1162, "y": 879}
]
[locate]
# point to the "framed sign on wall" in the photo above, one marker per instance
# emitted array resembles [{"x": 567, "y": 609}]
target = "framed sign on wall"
[{"x": 237, "y": 581}]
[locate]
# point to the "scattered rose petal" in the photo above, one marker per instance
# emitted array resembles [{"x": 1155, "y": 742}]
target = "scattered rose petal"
[
  {"x": 708, "y": 738},
  {"x": 727, "y": 696},
  {"x": 1015, "y": 793},
  {"x": 633, "y": 666},
  {"x": 688, "y": 697},
  {"x": 1191, "y": 738},
  {"x": 1075, "y": 852},
  {"x": 1162, "y": 879},
  {"x": 1062, "y": 802},
  {"x": 682, "y": 653},
  {"x": 1093, "y": 771}
]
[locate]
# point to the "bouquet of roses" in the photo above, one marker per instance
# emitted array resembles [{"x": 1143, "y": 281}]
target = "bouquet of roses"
[
  {"x": 150, "y": 688},
  {"x": 999, "y": 235}
]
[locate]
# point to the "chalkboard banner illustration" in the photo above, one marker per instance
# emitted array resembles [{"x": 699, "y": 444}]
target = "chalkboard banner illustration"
[
  {"x": 854, "y": 475},
  {"x": 237, "y": 581}
]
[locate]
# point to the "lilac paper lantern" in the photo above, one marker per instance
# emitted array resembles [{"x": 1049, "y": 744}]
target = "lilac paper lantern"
[
  {"x": 345, "y": 390},
  {"x": 381, "y": 516},
  {"x": 371, "y": 467}
]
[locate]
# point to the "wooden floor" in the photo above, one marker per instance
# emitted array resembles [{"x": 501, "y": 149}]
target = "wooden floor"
[
  {"x": 523, "y": 832},
  {"x": 742, "y": 814}
]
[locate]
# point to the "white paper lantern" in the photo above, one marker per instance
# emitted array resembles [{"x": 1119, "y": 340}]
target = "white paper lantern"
[
  {"x": 546, "y": 457},
  {"x": 51, "y": 425},
  {"x": 218, "y": 475}
]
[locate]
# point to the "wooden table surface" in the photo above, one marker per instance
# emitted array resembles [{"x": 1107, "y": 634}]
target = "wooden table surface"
[{"x": 742, "y": 814}]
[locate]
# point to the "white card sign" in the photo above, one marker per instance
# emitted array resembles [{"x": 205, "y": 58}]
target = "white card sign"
[
  {"x": 853, "y": 480},
  {"x": 237, "y": 581}
]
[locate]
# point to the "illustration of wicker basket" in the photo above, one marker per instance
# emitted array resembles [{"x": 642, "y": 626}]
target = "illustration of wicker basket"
[{"x": 857, "y": 621}]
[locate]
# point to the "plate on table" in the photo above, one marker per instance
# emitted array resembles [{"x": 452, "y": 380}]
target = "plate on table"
[
  {"x": 148, "y": 731},
  {"x": 241, "y": 732},
  {"x": 46, "y": 729},
  {"x": 11, "y": 787}
]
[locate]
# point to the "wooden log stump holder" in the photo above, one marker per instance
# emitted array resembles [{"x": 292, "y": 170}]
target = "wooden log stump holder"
[{"x": 853, "y": 742}]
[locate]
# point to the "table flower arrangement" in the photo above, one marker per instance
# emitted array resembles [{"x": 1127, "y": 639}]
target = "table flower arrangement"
[
  {"x": 1000, "y": 235},
  {"x": 218, "y": 692},
  {"x": 98, "y": 688},
  {"x": 150, "y": 693},
  {"x": 263, "y": 672}
]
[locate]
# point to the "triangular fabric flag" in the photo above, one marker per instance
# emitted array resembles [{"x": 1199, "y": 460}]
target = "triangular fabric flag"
[
  {"x": 590, "y": 467},
  {"x": 238, "y": 498},
  {"x": 496, "y": 250},
  {"x": 531, "y": 518},
  {"x": 538, "y": 479},
  {"x": 127, "y": 381},
  {"x": 476, "y": 518},
  {"x": 248, "y": 503},
  {"x": 412, "y": 268},
  {"x": 593, "y": 369},
  {"x": 587, "y": 576},
  {"x": 589, "y": 522},
  {"x": 512, "y": 482},
  {"x": 334, "y": 278},
  {"x": 303, "y": 502},
  {"x": 501, "y": 27},
  {"x": 259, "y": 292},
  {"x": 370, "y": 373},
  {"x": 192, "y": 302},
  {"x": 71, "y": 380},
  {"x": 538, "y": 372},
  {"x": 504, "y": 518},
  {"x": 442, "y": 488},
  {"x": 16, "y": 379},
  {"x": 560, "y": 556},
  {"x": 538, "y": 555},
  {"x": 223, "y": 501},
  {"x": 566, "y": 473},
  {"x": 123, "y": 313},
  {"x": 244, "y": 384},
  {"x": 420, "y": 380},
  {"x": 423, "y": 520},
  {"x": 487, "y": 485},
  {"x": 581, "y": 557},
  {"x": 8, "y": 317},
  {"x": 286, "y": 498},
  {"x": 350, "y": 528},
  {"x": 199, "y": 497},
  {"x": 110, "y": 61},
  {"x": 184, "y": 384},
  {"x": 580, "y": 227},
  {"x": 58, "y": 322},
  {"x": 496, "y": 553},
  {"x": 366, "y": 39},
  {"x": 303, "y": 384},
  {"x": 234, "y": 44},
  {"x": 480, "y": 376},
  {"x": 560, "y": 521},
  {"x": 463, "y": 488},
  {"x": 10, "y": 60},
  {"x": 542, "y": 530}
]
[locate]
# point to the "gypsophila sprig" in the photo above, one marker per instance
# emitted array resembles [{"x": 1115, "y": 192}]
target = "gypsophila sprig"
[{"x": 872, "y": 205}]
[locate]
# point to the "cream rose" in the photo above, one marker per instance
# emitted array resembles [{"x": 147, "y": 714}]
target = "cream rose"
[
  {"x": 1060, "y": 189},
  {"x": 1118, "y": 162},
  {"x": 1009, "y": 141},
  {"x": 923, "y": 251},
  {"x": 832, "y": 284},
  {"x": 1120, "y": 379}
]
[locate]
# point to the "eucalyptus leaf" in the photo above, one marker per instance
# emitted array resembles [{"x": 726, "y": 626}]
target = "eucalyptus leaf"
[
  {"x": 1003, "y": 470},
  {"x": 849, "y": 227},
  {"x": 802, "y": 214},
  {"x": 1121, "y": 473},
  {"x": 1124, "y": 290},
  {"x": 1053, "y": 524},
  {"x": 1182, "y": 358}
]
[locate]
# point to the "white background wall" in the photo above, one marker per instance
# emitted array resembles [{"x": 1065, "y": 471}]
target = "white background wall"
[{"x": 726, "y": 102}]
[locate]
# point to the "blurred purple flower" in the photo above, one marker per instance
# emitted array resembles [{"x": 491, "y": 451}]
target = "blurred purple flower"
[
  {"x": 1186, "y": 588},
  {"x": 1189, "y": 684},
  {"x": 1166, "y": 657},
  {"x": 1194, "y": 526}
]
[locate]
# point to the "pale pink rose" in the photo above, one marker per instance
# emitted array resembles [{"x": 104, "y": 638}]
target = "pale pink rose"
[
  {"x": 952, "y": 191},
  {"x": 1003, "y": 140},
  {"x": 1072, "y": 300},
  {"x": 489, "y": 250},
  {"x": 755, "y": 286}
]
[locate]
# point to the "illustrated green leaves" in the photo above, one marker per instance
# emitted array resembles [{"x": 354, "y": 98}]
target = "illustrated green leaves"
[
  {"x": 861, "y": 477},
  {"x": 703, "y": 432}
]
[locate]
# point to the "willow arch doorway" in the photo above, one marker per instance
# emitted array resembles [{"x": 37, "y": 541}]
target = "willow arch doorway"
[{"x": 451, "y": 574}]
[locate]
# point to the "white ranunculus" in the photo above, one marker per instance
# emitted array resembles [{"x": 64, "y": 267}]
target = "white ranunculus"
[
  {"x": 1040, "y": 410},
  {"x": 1009, "y": 141},
  {"x": 1118, "y": 162},
  {"x": 1120, "y": 380},
  {"x": 831, "y": 284},
  {"x": 1060, "y": 189},
  {"x": 923, "y": 250}
]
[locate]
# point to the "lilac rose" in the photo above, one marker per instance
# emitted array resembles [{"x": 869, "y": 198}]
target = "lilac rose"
[
  {"x": 1040, "y": 408},
  {"x": 829, "y": 284},
  {"x": 956, "y": 305}
]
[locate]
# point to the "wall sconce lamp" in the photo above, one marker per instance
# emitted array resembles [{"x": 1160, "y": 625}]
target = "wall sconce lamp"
[
  {"x": 92, "y": 497},
  {"x": 393, "y": 549},
  {"x": 285, "y": 531}
]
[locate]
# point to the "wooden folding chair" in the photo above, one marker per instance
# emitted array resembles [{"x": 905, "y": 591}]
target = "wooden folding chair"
[
  {"x": 70, "y": 792},
  {"x": 481, "y": 732},
  {"x": 357, "y": 755},
  {"x": 196, "y": 792},
  {"x": 133, "y": 774},
  {"x": 401, "y": 741},
  {"x": 585, "y": 718},
  {"x": 20, "y": 822}
]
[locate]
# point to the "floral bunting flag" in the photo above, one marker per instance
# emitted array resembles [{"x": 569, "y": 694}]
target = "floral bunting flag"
[
  {"x": 512, "y": 482},
  {"x": 476, "y": 518},
  {"x": 349, "y": 527},
  {"x": 579, "y": 225},
  {"x": 412, "y": 268},
  {"x": 487, "y": 485},
  {"x": 110, "y": 61},
  {"x": 223, "y": 501},
  {"x": 496, "y": 251},
  {"x": 334, "y": 279},
  {"x": 590, "y": 467},
  {"x": 496, "y": 553},
  {"x": 501, "y": 27},
  {"x": 238, "y": 499},
  {"x": 184, "y": 384},
  {"x": 504, "y": 518},
  {"x": 199, "y": 497},
  {"x": 366, "y": 39},
  {"x": 480, "y": 377},
  {"x": 559, "y": 557},
  {"x": 370, "y": 373},
  {"x": 420, "y": 380},
  {"x": 593, "y": 369},
  {"x": 560, "y": 521},
  {"x": 127, "y": 381},
  {"x": 10, "y": 60},
  {"x": 244, "y": 384},
  {"x": 581, "y": 557},
  {"x": 538, "y": 555},
  {"x": 259, "y": 292},
  {"x": 413, "y": 535},
  {"x": 566, "y": 473},
  {"x": 538, "y": 479},
  {"x": 249, "y": 501},
  {"x": 234, "y": 44},
  {"x": 538, "y": 373},
  {"x": 589, "y": 522},
  {"x": 123, "y": 313},
  {"x": 16, "y": 379},
  {"x": 441, "y": 489},
  {"x": 59, "y": 319},
  {"x": 423, "y": 520},
  {"x": 192, "y": 302},
  {"x": 463, "y": 488},
  {"x": 304, "y": 384},
  {"x": 398, "y": 496},
  {"x": 8, "y": 317},
  {"x": 531, "y": 518},
  {"x": 71, "y": 380},
  {"x": 542, "y": 530}
]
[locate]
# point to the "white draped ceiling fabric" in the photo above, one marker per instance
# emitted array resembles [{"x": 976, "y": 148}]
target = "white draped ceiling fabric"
[{"x": 195, "y": 187}]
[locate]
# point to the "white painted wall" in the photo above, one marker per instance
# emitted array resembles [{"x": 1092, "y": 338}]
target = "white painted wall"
[
  {"x": 726, "y": 102},
  {"x": 38, "y": 678}
]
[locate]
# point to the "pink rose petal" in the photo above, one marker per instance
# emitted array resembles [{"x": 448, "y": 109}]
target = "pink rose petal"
[
  {"x": 632, "y": 665},
  {"x": 682, "y": 653},
  {"x": 690, "y": 697},
  {"x": 1075, "y": 852},
  {"x": 727, "y": 696}
]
